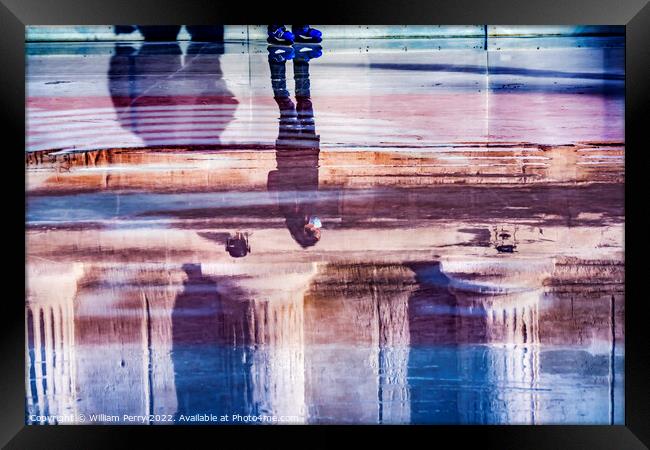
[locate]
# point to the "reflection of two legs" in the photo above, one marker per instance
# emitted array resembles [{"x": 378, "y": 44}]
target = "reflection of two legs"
[
  {"x": 297, "y": 125},
  {"x": 297, "y": 146}
]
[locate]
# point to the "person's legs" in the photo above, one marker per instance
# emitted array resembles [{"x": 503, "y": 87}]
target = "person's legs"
[
  {"x": 301, "y": 78},
  {"x": 278, "y": 79},
  {"x": 304, "y": 107},
  {"x": 288, "y": 117}
]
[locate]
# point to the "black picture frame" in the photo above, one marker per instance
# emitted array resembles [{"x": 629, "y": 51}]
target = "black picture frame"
[{"x": 634, "y": 14}]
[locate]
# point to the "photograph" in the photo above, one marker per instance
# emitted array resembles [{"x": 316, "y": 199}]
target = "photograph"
[{"x": 325, "y": 224}]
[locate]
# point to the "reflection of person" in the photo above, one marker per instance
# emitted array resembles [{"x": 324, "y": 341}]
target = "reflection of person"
[
  {"x": 167, "y": 101},
  {"x": 237, "y": 246},
  {"x": 279, "y": 35},
  {"x": 297, "y": 146}
]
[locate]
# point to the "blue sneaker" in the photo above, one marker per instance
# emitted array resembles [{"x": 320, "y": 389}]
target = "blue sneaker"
[
  {"x": 280, "y": 53},
  {"x": 279, "y": 35},
  {"x": 307, "y": 52},
  {"x": 306, "y": 34}
]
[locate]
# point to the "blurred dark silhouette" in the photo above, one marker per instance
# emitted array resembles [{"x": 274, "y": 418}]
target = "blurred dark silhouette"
[
  {"x": 210, "y": 338},
  {"x": 166, "y": 99},
  {"x": 205, "y": 33},
  {"x": 159, "y": 32},
  {"x": 297, "y": 147},
  {"x": 202, "y": 33}
]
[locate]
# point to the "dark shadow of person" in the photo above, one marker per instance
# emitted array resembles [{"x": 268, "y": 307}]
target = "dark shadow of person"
[
  {"x": 211, "y": 347},
  {"x": 433, "y": 322},
  {"x": 297, "y": 148},
  {"x": 166, "y": 99},
  {"x": 199, "y": 33}
]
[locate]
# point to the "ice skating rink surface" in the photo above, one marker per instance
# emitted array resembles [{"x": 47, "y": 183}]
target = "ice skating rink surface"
[{"x": 470, "y": 263}]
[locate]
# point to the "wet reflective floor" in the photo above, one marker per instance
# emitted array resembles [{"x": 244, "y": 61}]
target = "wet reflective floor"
[{"x": 397, "y": 233}]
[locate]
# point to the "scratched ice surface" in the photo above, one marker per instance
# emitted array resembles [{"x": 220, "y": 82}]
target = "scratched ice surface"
[{"x": 469, "y": 269}]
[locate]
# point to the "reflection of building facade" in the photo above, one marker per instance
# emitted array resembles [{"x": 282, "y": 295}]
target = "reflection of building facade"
[
  {"x": 514, "y": 378},
  {"x": 359, "y": 343}
]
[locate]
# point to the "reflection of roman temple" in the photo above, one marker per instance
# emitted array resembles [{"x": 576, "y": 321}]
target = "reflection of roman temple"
[
  {"x": 126, "y": 333},
  {"x": 410, "y": 308},
  {"x": 335, "y": 341}
]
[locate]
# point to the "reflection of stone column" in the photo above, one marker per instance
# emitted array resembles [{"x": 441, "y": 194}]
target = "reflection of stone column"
[
  {"x": 157, "y": 330},
  {"x": 395, "y": 402},
  {"x": 50, "y": 377},
  {"x": 585, "y": 307},
  {"x": 498, "y": 304},
  {"x": 277, "y": 368},
  {"x": 356, "y": 325},
  {"x": 505, "y": 379},
  {"x": 579, "y": 295},
  {"x": 275, "y": 298},
  {"x": 124, "y": 340}
]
